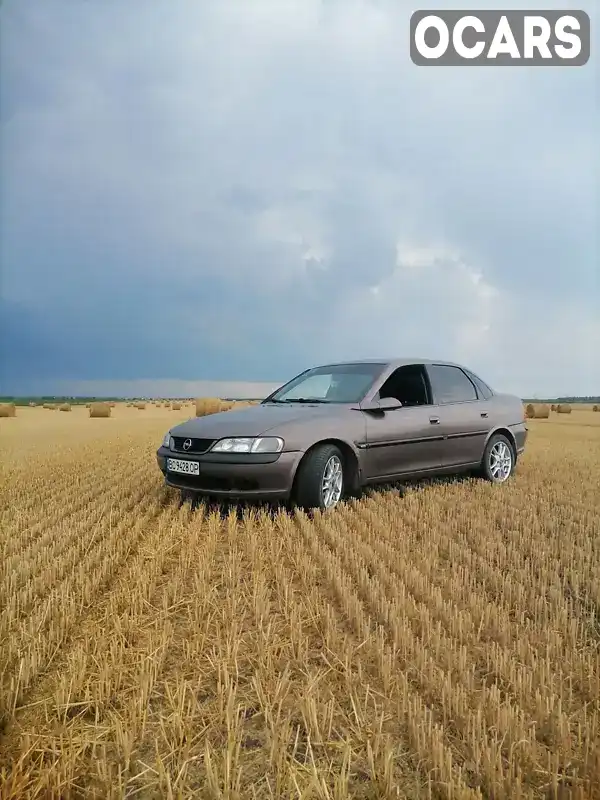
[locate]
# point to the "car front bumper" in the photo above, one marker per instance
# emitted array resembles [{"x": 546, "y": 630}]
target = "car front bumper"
[{"x": 251, "y": 476}]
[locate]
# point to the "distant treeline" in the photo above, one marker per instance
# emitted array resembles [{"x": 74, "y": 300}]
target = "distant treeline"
[
  {"x": 23, "y": 401},
  {"x": 39, "y": 400},
  {"x": 589, "y": 399}
]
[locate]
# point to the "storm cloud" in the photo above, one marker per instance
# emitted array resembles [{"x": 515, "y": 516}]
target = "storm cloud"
[{"x": 235, "y": 191}]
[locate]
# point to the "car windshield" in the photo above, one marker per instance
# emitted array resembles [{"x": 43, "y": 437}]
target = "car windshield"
[{"x": 338, "y": 383}]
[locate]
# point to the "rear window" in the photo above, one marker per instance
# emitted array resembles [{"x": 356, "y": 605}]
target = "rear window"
[
  {"x": 483, "y": 389},
  {"x": 450, "y": 384}
]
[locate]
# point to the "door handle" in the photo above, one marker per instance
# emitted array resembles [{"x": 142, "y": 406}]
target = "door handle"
[
  {"x": 484, "y": 413},
  {"x": 434, "y": 420}
]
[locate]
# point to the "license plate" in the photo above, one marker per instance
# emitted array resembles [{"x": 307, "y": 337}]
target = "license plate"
[{"x": 185, "y": 467}]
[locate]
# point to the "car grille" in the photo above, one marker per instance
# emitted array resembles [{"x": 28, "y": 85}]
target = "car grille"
[{"x": 197, "y": 446}]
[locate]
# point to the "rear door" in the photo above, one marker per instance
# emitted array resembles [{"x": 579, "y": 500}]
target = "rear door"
[{"x": 464, "y": 415}]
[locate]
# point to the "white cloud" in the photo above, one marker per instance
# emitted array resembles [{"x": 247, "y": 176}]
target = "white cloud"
[
  {"x": 298, "y": 235},
  {"x": 432, "y": 304},
  {"x": 412, "y": 256}
]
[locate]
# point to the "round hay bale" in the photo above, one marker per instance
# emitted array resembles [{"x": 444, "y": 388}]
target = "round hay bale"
[
  {"x": 100, "y": 410},
  {"x": 64, "y": 407},
  {"x": 563, "y": 408},
  {"x": 176, "y": 406},
  {"x": 140, "y": 406},
  {"x": 207, "y": 405},
  {"x": 8, "y": 410},
  {"x": 537, "y": 411},
  {"x": 50, "y": 406}
]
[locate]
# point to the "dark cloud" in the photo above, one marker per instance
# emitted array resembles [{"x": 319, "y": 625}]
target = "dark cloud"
[{"x": 228, "y": 191}]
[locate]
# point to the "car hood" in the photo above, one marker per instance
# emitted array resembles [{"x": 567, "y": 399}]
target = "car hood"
[{"x": 253, "y": 421}]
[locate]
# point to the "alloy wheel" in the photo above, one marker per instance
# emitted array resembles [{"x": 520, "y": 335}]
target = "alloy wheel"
[
  {"x": 333, "y": 482},
  {"x": 500, "y": 461}
]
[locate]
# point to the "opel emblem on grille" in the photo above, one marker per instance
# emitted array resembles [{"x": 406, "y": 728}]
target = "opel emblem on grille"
[{"x": 187, "y": 444}]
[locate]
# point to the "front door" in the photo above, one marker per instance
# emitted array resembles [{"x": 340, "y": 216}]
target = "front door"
[
  {"x": 401, "y": 441},
  {"x": 407, "y": 439}
]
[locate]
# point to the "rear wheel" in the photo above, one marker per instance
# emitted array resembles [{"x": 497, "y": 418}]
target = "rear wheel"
[
  {"x": 498, "y": 462},
  {"x": 320, "y": 481}
]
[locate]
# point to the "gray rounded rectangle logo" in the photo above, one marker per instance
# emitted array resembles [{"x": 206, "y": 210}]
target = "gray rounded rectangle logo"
[{"x": 512, "y": 38}]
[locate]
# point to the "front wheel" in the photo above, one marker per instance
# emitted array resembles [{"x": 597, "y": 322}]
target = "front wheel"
[
  {"x": 498, "y": 462},
  {"x": 320, "y": 481},
  {"x": 188, "y": 496}
]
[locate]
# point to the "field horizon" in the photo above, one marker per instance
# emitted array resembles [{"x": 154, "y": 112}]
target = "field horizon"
[{"x": 22, "y": 400}]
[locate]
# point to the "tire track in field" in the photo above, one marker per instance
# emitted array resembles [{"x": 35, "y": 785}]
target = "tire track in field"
[
  {"x": 27, "y": 525},
  {"x": 434, "y": 662},
  {"x": 527, "y": 659},
  {"x": 67, "y": 484},
  {"x": 171, "y": 727},
  {"x": 197, "y": 714},
  {"x": 319, "y": 714},
  {"x": 499, "y": 605},
  {"x": 146, "y": 534},
  {"x": 509, "y": 718},
  {"x": 116, "y": 682},
  {"x": 410, "y": 710},
  {"x": 518, "y": 671},
  {"x": 46, "y": 472},
  {"x": 495, "y": 772},
  {"x": 456, "y": 550},
  {"x": 57, "y": 536},
  {"x": 34, "y": 646},
  {"x": 447, "y": 627},
  {"x": 57, "y": 561}
]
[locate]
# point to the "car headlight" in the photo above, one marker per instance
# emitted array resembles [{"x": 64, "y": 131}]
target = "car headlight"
[
  {"x": 260, "y": 444},
  {"x": 166, "y": 442}
]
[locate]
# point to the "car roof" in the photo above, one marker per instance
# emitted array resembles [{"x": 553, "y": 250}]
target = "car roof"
[{"x": 394, "y": 362}]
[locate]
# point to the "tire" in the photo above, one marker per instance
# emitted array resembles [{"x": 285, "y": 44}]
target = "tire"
[
  {"x": 499, "y": 459},
  {"x": 185, "y": 496},
  {"x": 310, "y": 490}
]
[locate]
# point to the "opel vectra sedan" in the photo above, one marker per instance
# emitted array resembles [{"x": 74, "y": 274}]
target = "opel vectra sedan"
[{"x": 336, "y": 428}]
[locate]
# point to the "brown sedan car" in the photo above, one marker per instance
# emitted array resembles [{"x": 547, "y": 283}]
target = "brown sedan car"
[{"x": 334, "y": 429}]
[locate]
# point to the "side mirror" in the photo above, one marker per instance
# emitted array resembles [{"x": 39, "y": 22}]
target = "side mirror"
[{"x": 383, "y": 404}]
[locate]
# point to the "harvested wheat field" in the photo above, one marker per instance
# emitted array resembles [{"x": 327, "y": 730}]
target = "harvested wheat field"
[{"x": 440, "y": 642}]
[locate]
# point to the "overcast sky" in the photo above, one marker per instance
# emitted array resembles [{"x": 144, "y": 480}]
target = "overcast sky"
[{"x": 221, "y": 190}]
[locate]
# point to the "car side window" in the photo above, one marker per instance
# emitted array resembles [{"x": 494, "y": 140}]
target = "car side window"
[
  {"x": 407, "y": 384},
  {"x": 484, "y": 390},
  {"x": 450, "y": 384}
]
